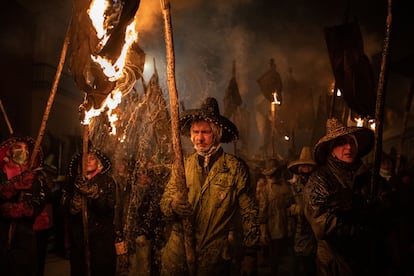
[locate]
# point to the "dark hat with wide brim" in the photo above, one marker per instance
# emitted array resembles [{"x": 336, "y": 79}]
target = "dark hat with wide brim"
[
  {"x": 335, "y": 129},
  {"x": 75, "y": 165},
  {"x": 5, "y": 146},
  {"x": 305, "y": 158},
  {"x": 209, "y": 111}
]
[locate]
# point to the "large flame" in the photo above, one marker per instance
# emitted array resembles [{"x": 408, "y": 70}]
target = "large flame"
[{"x": 112, "y": 69}]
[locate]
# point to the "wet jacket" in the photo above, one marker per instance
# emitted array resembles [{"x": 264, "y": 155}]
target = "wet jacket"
[
  {"x": 101, "y": 229},
  {"x": 217, "y": 201},
  {"x": 336, "y": 206},
  {"x": 304, "y": 241}
]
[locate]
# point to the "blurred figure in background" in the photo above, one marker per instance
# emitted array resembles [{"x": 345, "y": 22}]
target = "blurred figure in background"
[
  {"x": 304, "y": 241},
  {"x": 276, "y": 226}
]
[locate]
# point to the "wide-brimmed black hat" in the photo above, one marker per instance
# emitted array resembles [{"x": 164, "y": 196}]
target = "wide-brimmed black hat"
[
  {"x": 75, "y": 165},
  {"x": 210, "y": 112},
  {"x": 5, "y": 146},
  {"x": 305, "y": 158},
  {"x": 335, "y": 129}
]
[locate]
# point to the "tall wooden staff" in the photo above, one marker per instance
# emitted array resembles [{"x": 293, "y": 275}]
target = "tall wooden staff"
[
  {"x": 6, "y": 118},
  {"x": 85, "y": 150},
  {"x": 379, "y": 107},
  {"x": 174, "y": 105},
  {"x": 51, "y": 98}
]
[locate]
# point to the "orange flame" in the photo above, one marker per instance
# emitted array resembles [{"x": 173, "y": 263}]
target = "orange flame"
[
  {"x": 112, "y": 101},
  {"x": 113, "y": 70},
  {"x": 360, "y": 122}
]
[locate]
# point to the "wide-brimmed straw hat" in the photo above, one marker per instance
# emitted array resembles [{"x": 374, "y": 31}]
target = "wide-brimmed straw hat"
[
  {"x": 75, "y": 165},
  {"x": 5, "y": 146},
  {"x": 209, "y": 111},
  {"x": 335, "y": 129},
  {"x": 305, "y": 158}
]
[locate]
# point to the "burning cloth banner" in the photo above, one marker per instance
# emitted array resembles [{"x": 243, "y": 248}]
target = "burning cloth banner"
[{"x": 104, "y": 49}]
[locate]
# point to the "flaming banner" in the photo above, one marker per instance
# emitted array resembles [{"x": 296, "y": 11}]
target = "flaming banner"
[
  {"x": 105, "y": 55},
  {"x": 105, "y": 62}
]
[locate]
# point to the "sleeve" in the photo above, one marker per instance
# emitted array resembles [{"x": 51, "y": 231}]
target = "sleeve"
[
  {"x": 249, "y": 210},
  {"x": 7, "y": 190},
  {"x": 30, "y": 202},
  {"x": 331, "y": 214},
  {"x": 105, "y": 202},
  {"x": 169, "y": 192}
]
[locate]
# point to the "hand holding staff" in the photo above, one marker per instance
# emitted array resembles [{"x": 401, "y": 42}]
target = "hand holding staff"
[{"x": 174, "y": 105}]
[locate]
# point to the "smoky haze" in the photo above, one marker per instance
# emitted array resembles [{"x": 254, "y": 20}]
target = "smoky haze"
[{"x": 210, "y": 35}]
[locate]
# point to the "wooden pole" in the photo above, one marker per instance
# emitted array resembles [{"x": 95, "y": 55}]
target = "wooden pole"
[
  {"x": 178, "y": 166},
  {"x": 380, "y": 101},
  {"x": 6, "y": 118},
  {"x": 51, "y": 98},
  {"x": 85, "y": 152}
]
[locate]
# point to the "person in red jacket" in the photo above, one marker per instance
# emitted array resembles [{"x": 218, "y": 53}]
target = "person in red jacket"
[{"x": 21, "y": 201}]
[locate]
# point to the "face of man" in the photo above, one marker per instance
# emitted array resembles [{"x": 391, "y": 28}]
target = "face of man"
[
  {"x": 202, "y": 136},
  {"x": 345, "y": 148},
  {"x": 20, "y": 153}
]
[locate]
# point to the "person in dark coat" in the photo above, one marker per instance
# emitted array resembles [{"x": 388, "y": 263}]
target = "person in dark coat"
[
  {"x": 304, "y": 241},
  {"x": 22, "y": 199},
  {"x": 338, "y": 202},
  {"x": 97, "y": 187},
  {"x": 276, "y": 226}
]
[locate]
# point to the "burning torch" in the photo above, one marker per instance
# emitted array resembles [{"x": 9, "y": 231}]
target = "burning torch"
[{"x": 273, "y": 119}]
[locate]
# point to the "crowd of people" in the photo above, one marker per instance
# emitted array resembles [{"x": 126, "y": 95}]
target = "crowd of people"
[{"x": 318, "y": 214}]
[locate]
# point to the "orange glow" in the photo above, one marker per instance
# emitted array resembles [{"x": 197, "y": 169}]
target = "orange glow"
[
  {"x": 112, "y": 69},
  {"x": 360, "y": 122},
  {"x": 112, "y": 101}
]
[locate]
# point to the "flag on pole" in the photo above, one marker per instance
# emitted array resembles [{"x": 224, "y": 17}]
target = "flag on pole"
[
  {"x": 351, "y": 68},
  {"x": 232, "y": 99},
  {"x": 271, "y": 82}
]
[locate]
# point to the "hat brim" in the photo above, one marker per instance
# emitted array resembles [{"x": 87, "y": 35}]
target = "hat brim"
[
  {"x": 230, "y": 131},
  {"x": 364, "y": 136},
  {"x": 294, "y": 165}
]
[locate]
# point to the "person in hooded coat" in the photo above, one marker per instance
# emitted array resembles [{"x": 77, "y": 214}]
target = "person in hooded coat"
[
  {"x": 219, "y": 192},
  {"x": 97, "y": 188},
  {"x": 304, "y": 241},
  {"x": 338, "y": 202}
]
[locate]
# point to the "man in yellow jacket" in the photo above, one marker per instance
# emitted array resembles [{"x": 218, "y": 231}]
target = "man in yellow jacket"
[{"x": 219, "y": 193}]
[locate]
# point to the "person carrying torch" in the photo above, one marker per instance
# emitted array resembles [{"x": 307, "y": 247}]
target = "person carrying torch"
[
  {"x": 97, "y": 187},
  {"x": 218, "y": 193}
]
